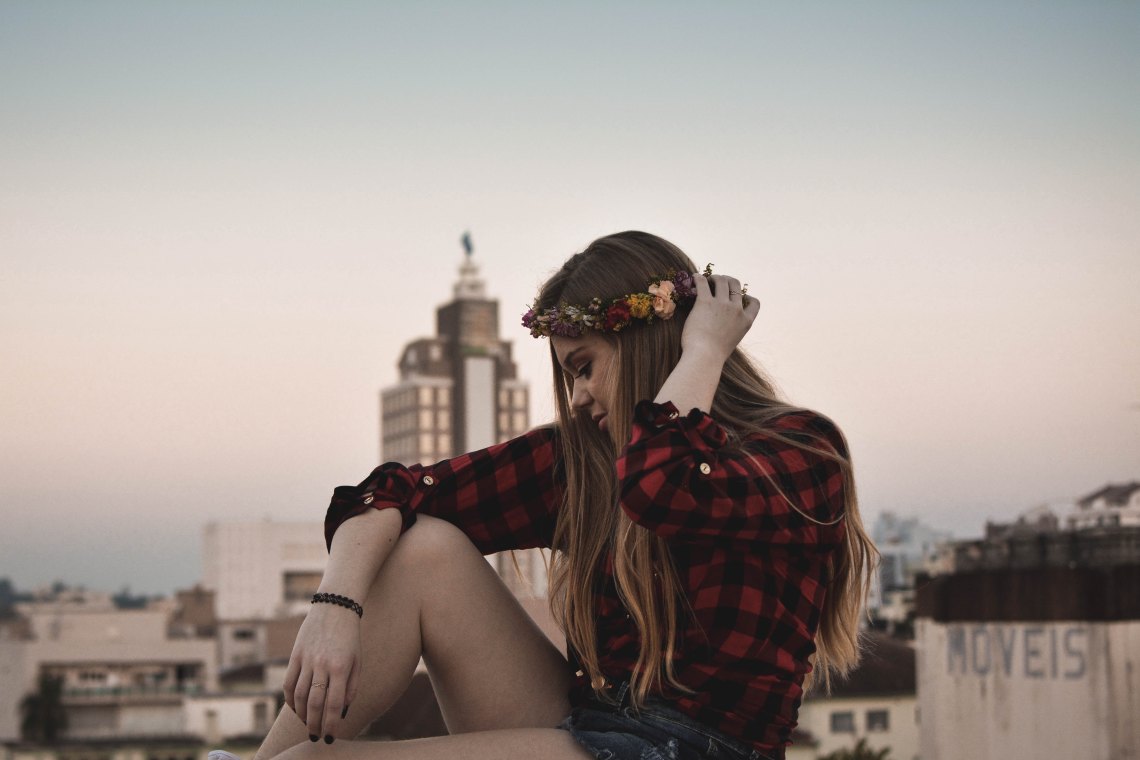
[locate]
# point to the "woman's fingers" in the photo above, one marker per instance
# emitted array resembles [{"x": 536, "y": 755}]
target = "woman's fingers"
[
  {"x": 292, "y": 673},
  {"x": 301, "y": 694},
  {"x": 722, "y": 287},
  {"x": 315, "y": 705},
  {"x": 350, "y": 688},
  {"x": 752, "y": 308},
  {"x": 701, "y": 283},
  {"x": 732, "y": 289},
  {"x": 334, "y": 706}
]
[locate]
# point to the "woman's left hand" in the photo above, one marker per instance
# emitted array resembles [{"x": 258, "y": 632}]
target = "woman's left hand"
[
  {"x": 714, "y": 327},
  {"x": 721, "y": 317}
]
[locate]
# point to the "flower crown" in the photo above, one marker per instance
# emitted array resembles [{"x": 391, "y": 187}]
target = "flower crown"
[{"x": 661, "y": 300}]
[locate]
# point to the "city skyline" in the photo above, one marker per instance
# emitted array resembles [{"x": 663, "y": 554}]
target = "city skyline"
[{"x": 220, "y": 224}]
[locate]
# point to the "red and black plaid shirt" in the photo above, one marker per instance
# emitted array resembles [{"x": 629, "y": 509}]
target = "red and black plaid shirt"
[{"x": 753, "y": 567}]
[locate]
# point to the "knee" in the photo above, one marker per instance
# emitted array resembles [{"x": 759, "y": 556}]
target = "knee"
[{"x": 430, "y": 543}]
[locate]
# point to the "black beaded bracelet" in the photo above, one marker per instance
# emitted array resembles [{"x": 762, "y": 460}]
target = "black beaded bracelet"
[{"x": 343, "y": 601}]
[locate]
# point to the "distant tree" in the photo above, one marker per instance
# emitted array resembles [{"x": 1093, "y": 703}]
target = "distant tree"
[
  {"x": 43, "y": 718},
  {"x": 125, "y": 600},
  {"x": 7, "y": 599},
  {"x": 859, "y": 752}
]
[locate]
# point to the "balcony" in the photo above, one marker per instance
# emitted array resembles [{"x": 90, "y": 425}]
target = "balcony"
[{"x": 107, "y": 695}]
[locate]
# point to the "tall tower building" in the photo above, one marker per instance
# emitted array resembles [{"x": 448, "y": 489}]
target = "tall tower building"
[{"x": 459, "y": 391}]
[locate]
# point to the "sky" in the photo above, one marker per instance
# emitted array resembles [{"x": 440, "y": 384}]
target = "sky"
[{"x": 220, "y": 223}]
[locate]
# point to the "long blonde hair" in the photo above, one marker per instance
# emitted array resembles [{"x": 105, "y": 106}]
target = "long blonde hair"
[{"x": 590, "y": 523}]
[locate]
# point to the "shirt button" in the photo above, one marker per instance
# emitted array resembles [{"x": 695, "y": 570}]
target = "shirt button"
[
  {"x": 368, "y": 499},
  {"x": 429, "y": 480},
  {"x": 674, "y": 415},
  {"x": 705, "y": 469}
]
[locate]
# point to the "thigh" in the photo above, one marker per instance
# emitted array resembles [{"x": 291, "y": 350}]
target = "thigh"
[
  {"x": 490, "y": 664},
  {"x": 516, "y": 744}
]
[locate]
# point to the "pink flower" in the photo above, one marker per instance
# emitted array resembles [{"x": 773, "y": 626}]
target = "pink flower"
[{"x": 662, "y": 293}]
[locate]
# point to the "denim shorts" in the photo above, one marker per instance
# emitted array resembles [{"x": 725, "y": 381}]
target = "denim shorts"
[{"x": 657, "y": 732}]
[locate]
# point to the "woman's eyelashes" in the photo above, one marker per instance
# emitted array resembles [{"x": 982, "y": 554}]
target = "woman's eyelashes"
[{"x": 583, "y": 372}]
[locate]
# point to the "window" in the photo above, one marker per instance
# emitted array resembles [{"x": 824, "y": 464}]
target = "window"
[
  {"x": 425, "y": 396},
  {"x": 300, "y": 586},
  {"x": 843, "y": 722},
  {"x": 425, "y": 419},
  {"x": 878, "y": 720},
  {"x": 244, "y": 634}
]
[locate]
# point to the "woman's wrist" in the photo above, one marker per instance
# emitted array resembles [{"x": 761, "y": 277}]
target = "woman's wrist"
[
  {"x": 358, "y": 550},
  {"x": 693, "y": 382},
  {"x": 340, "y": 601}
]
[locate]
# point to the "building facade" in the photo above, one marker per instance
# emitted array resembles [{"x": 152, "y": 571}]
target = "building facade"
[
  {"x": 120, "y": 672},
  {"x": 459, "y": 391},
  {"x": 263, "y": 569},
  {"x": 1110, "y": 507},
  {"x": 875, "y": 703},
  {"x": 906, "y": 547},
  {"x": 1032, "y": 642}
]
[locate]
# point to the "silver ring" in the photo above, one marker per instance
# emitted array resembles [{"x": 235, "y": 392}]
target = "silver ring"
[{"x": 320, "y": 685}]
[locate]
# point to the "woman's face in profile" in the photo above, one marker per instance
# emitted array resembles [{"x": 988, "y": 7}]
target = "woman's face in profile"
[{"x": 587, "y": 362}]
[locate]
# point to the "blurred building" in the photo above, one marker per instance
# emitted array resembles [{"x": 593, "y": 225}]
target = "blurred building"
[
  {"x": 1111, "y": 506},
  {"x": 906, "y": 547},
  {"x": 459, "y": 391},
  {"x": 1030, "y": 645},
  {"x": 877, "y": 703},
  {"x": 134, "y": 684},
  {"x": 262, "y": 569}
]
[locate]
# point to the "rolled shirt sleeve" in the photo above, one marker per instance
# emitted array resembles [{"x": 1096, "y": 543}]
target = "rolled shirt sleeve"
[
  {"x": 679, "y": 478},
  {"x": 503, "y": 497}
]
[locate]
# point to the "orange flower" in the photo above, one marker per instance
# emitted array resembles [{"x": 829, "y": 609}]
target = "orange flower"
[{"x": 639, "y": 305}]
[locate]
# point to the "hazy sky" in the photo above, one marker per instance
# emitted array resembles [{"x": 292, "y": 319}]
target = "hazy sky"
[{"x": 220, "y": 222}]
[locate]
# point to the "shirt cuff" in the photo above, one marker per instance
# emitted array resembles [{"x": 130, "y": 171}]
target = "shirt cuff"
[
  {"x": 388, "y": 487},
  {"x": 650, "y": 416}
]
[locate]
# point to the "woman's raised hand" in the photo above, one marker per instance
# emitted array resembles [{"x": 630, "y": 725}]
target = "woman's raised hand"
[
  {"x": 720, "y": 318},
  {"x": 714, "y": 327},
  {"x": 324, "y": 669}
]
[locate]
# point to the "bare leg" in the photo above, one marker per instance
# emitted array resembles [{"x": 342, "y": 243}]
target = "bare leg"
[
  {"x": 516, "y": 743},
  {"x": 490, "y": 665}
]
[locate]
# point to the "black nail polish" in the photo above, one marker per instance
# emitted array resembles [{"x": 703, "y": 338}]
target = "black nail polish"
[
  {"x": 328, "y": 739},
  {"x": 344, "y": 712},
  {"x": 313, "y": 737}
]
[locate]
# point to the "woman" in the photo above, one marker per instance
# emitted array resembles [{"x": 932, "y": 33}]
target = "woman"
[{"x": 708, "y": 549}]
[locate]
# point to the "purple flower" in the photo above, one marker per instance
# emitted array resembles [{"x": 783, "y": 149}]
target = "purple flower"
[
  {"x": 565, "y": 329},
  {"x": 685, "y": 287}
]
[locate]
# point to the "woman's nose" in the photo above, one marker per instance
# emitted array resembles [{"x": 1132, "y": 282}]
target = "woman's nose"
[{"x": 580, "y": 397}]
